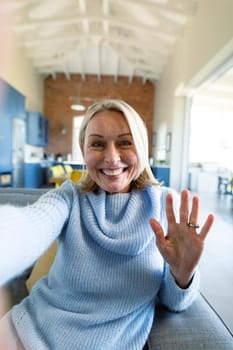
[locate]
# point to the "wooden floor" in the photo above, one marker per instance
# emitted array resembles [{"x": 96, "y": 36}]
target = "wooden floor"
[{"x": 216, "y": 265}]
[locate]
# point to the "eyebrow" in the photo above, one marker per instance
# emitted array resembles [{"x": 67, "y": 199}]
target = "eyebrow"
[{"x": 101, "y": 136}]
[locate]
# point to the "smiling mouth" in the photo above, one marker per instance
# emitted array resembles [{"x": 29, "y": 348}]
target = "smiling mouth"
[{"x": 113, "y": 172}]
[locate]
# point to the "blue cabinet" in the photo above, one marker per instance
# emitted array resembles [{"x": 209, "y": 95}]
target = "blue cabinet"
[
  {"x": 5, "y": 179},
  {"x": 162, "y": 174},
  {"x": 37, "y": 129},
  {"x": 45, "y": 136},
  {"x": 12, "y": 105},
  {"x": 33, "y": 175}
]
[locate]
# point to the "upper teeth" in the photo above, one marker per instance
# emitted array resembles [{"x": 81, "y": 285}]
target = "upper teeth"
[{"x": 112, "y": 172}]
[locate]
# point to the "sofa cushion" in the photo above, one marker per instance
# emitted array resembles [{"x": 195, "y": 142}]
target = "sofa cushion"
[
  {"x": 198, "y": 327},
  {"x": 20, "y": 196}
]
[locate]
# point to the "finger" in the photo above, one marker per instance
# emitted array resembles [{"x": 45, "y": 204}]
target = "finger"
[
  {"x": 157, "y": 228},
  {"x": 207, "y": 226},
  {"x": 193, "y": 218},
  {"x": 169, "y": 209},
  {"x": 184, "y": 207}
]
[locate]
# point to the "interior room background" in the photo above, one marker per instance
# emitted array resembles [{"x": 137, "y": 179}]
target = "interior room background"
[
  {"x": 61, "y": 93},
  {"x": 203, "y": 46}
]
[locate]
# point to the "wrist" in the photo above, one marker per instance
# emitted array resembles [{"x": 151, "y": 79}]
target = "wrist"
[{"x": 182, "y": 280}]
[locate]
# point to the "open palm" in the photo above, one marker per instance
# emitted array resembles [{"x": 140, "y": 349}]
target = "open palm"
[{"x": 182, "y": 246}]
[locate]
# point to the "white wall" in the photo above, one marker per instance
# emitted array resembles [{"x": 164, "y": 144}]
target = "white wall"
[
  {"x": 206, "y": 42},
  {"x": 17, "y": 69}
]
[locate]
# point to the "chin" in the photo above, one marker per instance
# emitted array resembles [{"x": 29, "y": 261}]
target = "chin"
[{"x": 118, "y": 190}]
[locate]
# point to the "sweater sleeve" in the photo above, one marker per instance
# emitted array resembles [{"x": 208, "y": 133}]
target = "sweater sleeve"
[
  {"x": 174, "y": 297},
  {"x": 26, "y": 232}
]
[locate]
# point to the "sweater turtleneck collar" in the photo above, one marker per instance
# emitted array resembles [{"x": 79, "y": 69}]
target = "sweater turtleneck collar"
[{"x": 120, "y": 222}]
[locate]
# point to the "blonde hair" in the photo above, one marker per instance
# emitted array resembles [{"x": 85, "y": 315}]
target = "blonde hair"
[{"x": 144, "y": 175}]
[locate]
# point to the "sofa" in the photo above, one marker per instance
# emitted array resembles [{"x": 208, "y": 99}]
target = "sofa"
[{"x": 198, "y": 327}]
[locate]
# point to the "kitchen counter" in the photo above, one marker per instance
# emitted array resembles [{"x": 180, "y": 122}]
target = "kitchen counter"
[{"x": 74, "y": 164}]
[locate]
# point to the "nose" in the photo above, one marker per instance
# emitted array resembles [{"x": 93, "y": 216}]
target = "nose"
[{"x": 112, "y": 155}]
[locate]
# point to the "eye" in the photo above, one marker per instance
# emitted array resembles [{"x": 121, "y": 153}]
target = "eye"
[
  {"x": 97, "y": 144},
  {"x": 126, "y": 143}
]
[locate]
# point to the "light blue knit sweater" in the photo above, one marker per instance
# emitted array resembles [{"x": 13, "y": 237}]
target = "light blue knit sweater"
[{"x": 100, "y": 292}]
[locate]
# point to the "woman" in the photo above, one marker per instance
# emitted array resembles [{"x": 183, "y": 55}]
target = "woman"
[{"x": 113, "y": 257}]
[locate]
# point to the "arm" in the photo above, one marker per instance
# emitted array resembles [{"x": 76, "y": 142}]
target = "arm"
[{"x": 25, "y": 233}]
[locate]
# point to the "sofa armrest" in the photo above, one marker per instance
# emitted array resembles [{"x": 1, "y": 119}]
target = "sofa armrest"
[{"x": 198, "y": 327}]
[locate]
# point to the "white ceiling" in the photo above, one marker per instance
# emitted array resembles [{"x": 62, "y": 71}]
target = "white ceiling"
[{"x": 133, "y": 38}]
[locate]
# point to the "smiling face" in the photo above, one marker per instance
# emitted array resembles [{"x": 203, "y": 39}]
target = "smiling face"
[{"x": 109, "y": 152}]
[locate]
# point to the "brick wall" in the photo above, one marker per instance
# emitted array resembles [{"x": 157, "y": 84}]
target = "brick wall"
[{"x": 60, "y": 93}]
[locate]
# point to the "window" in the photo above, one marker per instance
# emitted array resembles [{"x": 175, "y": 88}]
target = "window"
[
  {"x": 76, "y": 151},
  {"x": 211, "y": 136}
]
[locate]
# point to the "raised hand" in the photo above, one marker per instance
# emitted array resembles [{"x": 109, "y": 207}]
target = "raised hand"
[{"x": 182, "y": 246}]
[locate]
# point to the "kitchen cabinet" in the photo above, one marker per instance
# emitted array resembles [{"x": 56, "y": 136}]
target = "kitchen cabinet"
[
  {"x": 37, "y": 129},
  {"x": 12, "y": 106},
  {"x": 33, "y": 175},
  {"x": 5, "y": 179}
]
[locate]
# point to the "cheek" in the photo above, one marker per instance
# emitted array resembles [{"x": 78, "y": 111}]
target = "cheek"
[
  {"x": 91, "y": 159},
  {"x": 131, "y": 158}
]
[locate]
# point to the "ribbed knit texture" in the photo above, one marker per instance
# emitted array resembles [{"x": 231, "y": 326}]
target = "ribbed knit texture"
[{"x": 100, "y": 292}]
